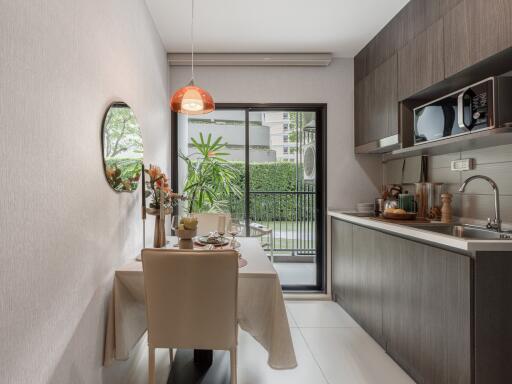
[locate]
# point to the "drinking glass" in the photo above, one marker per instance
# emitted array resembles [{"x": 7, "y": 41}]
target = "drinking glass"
[{"x": 234, "y": 231}]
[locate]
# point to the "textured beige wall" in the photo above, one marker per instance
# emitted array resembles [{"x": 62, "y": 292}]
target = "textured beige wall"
[
  {"x": 477, "y": 203},
  {"x": 350, "y": 178},
  {"x": 62, "y": 229}
]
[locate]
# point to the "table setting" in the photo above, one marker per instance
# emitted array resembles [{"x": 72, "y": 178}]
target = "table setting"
[{"x": 261, "y": 308}]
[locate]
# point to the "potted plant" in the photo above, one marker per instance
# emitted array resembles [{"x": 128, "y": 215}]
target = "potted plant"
[
  {"x": 162, "y": 200},
  {"x": 209, "y": 175}
]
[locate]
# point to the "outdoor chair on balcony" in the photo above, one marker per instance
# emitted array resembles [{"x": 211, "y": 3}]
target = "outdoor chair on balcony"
[{"x": 259, "y": 230}]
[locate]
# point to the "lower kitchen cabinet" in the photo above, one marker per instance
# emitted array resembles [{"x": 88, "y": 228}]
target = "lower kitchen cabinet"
[
  {"x": 413, "y": 299},
  {"x": 366, "y": 286},
  {"x": 341, "y": 236},
  {"x": 427, "y": 311}
]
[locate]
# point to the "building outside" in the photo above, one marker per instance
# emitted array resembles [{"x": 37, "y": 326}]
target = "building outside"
[
  {"x": 231, "y": 126},
  {"x": 279, "y": 123}
]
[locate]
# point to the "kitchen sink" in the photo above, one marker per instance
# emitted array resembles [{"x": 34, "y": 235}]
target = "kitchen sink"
[{"x": 465, "y": 231}]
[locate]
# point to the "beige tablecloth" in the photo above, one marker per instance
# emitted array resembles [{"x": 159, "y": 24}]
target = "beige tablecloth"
[{"x": 261, "y": 309}]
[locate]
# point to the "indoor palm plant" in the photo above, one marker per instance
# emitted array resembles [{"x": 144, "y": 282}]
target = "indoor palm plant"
[{"x": 209, "y": 175}]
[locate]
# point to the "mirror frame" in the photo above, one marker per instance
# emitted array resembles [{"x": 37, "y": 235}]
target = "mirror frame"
[{"x": 102, "y": 139}]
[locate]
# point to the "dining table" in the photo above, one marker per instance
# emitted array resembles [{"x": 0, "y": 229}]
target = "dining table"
[{"x": 261, "y": 307}]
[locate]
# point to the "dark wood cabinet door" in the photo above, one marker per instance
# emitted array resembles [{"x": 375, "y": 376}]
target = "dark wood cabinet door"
[
  {"x": 342, "y": 264},
  {"x": 445, "y": 6},
  {"x": 363, "y": 107},
  {"x": 376, "y": 103},
  {"x": 402, "y": 261},
  {"x": 456, "y": 41},
  {"x": 426, "y": 311},
  {"x": 360, "y": 66},
  {"x": 475, "y": 30},
  {"x": 386, "y": 98},
  {"x": 421, "y": 61},
  {"x": 366, "y": 298},
  {"x": 445, "y": 337},
  {"x": 489, "y": 26}
]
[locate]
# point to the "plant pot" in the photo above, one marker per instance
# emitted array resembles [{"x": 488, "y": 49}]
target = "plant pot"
[{"x": 185, "y": 238}]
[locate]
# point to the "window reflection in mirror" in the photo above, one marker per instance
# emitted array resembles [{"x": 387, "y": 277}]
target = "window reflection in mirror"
[{"x": 122, "y": 148}]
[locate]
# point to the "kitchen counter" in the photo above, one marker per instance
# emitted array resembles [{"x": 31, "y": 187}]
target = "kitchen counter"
[{"x": 424, "y": 235}]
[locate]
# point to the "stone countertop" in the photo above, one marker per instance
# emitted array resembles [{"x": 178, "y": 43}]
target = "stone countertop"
[{"x": 424, "y": 235}]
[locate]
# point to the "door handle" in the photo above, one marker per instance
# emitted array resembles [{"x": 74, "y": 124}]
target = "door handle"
[{"x": 462, "y": 99}]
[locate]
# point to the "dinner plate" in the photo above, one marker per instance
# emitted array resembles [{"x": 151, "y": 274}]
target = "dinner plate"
[{"x": 218, "y": 242}]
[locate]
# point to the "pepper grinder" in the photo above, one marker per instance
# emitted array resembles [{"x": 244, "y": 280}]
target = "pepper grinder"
[{"x": 446, "y": 209}]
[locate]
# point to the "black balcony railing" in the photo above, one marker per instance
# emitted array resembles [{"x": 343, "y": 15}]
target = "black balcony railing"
[{"x": 290, "y": 215}]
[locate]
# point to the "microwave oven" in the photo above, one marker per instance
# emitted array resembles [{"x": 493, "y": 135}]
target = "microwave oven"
[{"x": 481, "y": 106}]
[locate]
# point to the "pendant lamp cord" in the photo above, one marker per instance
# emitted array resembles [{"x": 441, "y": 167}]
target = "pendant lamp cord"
[{"x": 192, "y": 38}]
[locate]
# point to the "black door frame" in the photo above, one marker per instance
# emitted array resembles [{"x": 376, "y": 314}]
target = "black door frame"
[{"x": 321, "y": 172}]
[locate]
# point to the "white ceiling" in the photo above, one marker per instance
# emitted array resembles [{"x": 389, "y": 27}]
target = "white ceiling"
[{"x": 342, "y": 27}]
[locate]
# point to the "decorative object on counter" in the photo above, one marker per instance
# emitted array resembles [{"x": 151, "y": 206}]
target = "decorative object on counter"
[
  {"x": 423, "y": 191},
  {"x": 209, "y": 175},
  {"x": 435, "y": 202},
  {"x": 162, "y": 200},
  {"x": 390, "y": 204},
  {"x": 379, "y": 206},
  {"x": 394, "y": 191},
  {"x": 406, "y": 202},
  {"x": 192, "y": 100},
  {"x": 446, "y": 210},
  {"x": 123, "y": 151},
  {"x": 186, "y": 231},
  {"x": 365, "y": 207},
  {"x": 390, "y": 194}
]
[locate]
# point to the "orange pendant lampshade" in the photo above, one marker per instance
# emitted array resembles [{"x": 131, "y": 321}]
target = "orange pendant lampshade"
[{"x": 192, "y": 100}]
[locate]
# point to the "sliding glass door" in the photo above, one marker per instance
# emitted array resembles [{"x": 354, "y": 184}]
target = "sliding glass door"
[{"x": 277, "y": 154}]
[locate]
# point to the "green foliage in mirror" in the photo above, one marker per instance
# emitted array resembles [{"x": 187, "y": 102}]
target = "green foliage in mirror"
[{"x": 122, "y": 148}]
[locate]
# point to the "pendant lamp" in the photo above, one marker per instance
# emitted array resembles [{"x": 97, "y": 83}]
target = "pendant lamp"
[{"x": 191, "y": 99}]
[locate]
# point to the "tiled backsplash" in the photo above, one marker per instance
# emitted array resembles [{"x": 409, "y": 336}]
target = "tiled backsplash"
[{"x": 477, "y": 202}]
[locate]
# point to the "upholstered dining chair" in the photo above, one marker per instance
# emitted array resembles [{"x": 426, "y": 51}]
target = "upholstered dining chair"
[
  {"x": 209, "y": 222},
  {"x": 191, "y": 301}
]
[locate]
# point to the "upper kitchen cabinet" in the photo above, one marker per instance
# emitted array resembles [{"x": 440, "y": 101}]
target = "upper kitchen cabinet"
[
  {"x": 386, "y": 98},
  {"x": 414, "y": 18},
  {"x": 421, "y": 61},
  {"x": 446, "y": 6},
  {"x": 376, "y": 104},
  {"x": 475, "y": 30}
]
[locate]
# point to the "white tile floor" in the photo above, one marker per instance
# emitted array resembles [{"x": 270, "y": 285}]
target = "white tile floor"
[
  {"x": 330, "y": 348},
  {"x": 296, "y": 273}
]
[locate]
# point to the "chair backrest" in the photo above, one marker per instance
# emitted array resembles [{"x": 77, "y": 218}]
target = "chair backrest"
[
  {"x": 209, "y": 222},
  {"x": 191, "y": 298}
]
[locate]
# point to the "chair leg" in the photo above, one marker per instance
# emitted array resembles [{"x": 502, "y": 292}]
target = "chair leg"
[
  {"x": 272, "y": 247},
  {"x": 232, "y": 355},
  {"x": 151, "y": 365},
  {"x": 171, "y": 356}
]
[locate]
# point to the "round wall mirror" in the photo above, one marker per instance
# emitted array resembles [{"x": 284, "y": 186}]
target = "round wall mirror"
[{"x": 123, "y": 153}]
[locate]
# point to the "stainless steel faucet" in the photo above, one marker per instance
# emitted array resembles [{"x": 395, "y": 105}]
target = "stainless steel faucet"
[{"x": 491, "y": 224}]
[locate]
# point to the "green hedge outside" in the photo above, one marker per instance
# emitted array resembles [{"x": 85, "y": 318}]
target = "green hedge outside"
[{"x": 273, "y": 177}]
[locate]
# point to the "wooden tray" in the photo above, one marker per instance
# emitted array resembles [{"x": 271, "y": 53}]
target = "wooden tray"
[{"x": 399, "y": 216}]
